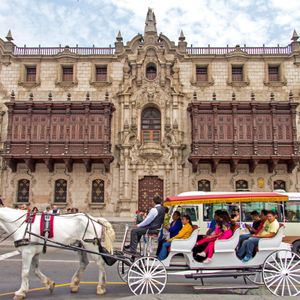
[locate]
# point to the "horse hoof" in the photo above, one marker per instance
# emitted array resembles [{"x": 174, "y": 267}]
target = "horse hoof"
[
  {"x": 74, "y": 289},
  {"x": 101, "y": 291},
  {"x": 51, "y": 287},
  {"x": 19, "y": 297}
]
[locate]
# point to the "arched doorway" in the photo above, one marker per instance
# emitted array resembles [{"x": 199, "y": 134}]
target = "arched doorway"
[{"x": 149, "y": 186}]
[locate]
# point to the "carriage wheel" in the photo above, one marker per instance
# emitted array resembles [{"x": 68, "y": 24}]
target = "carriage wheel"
[
  {"x": 123, "y": 270},
  {"x": 256, "y": 278},
  {"x": 147, "y": 275},
  {"x": 281, "y": 273}
]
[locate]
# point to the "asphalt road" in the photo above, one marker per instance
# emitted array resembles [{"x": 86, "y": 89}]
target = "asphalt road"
[{"x": 60, "y": 267}]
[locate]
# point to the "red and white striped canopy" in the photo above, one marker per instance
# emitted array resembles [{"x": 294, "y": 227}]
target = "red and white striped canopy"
[{"x": 210, "y": 198}]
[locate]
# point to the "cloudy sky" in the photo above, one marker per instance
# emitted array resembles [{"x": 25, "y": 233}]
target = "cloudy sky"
[{"x": 88, "y": 22}]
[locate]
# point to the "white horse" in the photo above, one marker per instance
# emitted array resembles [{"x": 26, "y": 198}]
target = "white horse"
[{"x": 67, "y": 230}]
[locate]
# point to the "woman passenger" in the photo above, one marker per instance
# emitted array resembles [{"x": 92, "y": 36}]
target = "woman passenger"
[
  {"x": 184, "y": 233},
  {"x": 172, "y": 229}
]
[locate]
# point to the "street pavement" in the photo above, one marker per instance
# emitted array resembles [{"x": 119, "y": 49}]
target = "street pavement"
[{"x": 61, "y": 265}]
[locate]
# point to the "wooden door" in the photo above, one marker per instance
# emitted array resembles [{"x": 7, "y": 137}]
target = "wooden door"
[{"x": 149, "y": 186}]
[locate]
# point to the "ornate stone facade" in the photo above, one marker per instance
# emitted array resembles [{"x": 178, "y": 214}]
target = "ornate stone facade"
[{"x": 107, "y": 128}]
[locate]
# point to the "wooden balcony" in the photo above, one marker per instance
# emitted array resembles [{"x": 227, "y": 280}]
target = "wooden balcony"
[
  {"x": 244, "y": 133},
  {"x": 58, "y": 132}
]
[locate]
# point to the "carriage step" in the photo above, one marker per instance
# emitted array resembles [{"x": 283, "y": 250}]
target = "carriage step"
[
  {"x": 218, "y": 274},
  {"x": 220, "y": 288}
]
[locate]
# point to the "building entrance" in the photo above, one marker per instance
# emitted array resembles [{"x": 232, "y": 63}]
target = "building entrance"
[{"x": 149, "y": 186}]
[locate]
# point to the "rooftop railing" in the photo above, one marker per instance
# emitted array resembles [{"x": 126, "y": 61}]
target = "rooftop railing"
[
  {"x": 190, "y": 50},
  {"x": 57, "y": 50},
  {"x": 250, "y": 50}
]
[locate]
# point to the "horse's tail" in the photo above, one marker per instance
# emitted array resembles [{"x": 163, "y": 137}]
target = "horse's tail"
[{"x": 108, "y": 233}]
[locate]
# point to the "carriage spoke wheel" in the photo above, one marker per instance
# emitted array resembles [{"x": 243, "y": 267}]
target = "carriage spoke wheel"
[
  {"x": 256, "y": 278},
  {"x": 123, "y": 270},
  {"x": 147, "y": 275},
  {"x": 281, "y": 273}
]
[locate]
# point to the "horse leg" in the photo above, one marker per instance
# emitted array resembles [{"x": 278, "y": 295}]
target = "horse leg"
[
  {"x": 102, "y": 276},
  {"x": 84, "y": 261},
  {"x": 48, "y": 283},
  {"x": 27, "y": 255}
]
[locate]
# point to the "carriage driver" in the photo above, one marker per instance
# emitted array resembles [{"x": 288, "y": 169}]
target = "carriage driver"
[{"x": 153, "y": 221}]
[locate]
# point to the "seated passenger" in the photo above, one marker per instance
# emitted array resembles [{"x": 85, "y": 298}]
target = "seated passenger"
[
  {"x": 235, "y": 219},
  {"x": 256, "y": 222},
  {"x": 254, "y": 229},
  {"x": 222, "y": 232},
  {"x": 222, "y": 217},
  {"x": 172, "y": 229},
  {"x": 212, "y": 225},
  {"x": 269, "y": 230},
  {"x": 184, "y": 233}
]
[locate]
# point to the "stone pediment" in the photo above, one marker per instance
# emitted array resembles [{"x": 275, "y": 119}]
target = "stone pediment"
[
  {"x": 67, "y": 53},
  {"x": 237, "y": 53}
]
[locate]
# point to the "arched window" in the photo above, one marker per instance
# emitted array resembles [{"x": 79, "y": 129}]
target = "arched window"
[
  {"x": 241, "y": 185},
  {"x": 279, "y": 185},
  {"x": 204, "y": 185},
  {"x": 151, "y": 125},
  {"x": 60, "y": 192},
  {"x": 151, "y": 71},
  {"x": 98, "y": 191},
  {"x": 23, "y": 190}
]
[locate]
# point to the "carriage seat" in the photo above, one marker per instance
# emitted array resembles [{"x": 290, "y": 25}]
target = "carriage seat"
[
  {"x": 153, "y": 232},
  {"x": 185, "y": 245},
  {"x": 272, "y": 243},
  {"x": 228, "y": 245}
]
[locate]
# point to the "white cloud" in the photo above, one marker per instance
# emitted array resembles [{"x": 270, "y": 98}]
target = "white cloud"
[{"x": 87, "y": 22}]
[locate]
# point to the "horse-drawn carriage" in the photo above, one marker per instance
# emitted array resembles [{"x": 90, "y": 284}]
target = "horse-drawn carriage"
[{"x": 273, "y": 265}]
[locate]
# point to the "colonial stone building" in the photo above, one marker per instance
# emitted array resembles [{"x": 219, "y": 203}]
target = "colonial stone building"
[{"x": 104, "y": 129}]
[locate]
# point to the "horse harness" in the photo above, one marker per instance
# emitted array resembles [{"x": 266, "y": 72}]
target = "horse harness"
[{"x": 46, "y": 231}]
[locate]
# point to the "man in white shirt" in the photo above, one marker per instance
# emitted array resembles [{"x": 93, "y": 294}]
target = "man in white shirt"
[{"x": 153, "y": 221}]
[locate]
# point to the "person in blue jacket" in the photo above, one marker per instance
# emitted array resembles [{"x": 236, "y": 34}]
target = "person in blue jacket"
[
  {"x": 173, "y": 229},
  {"x": 213, "y": 223}
]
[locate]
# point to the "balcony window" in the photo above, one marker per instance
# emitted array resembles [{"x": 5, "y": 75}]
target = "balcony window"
[
  {"x": 201, "y": 74},
  {"x": 30, "y": 74},
  {"x": 273, "y": 73},
  {"x": 237, "y": 73},
  {"x": 67, "y": 74},
  {"x": 101, "y": 73}
]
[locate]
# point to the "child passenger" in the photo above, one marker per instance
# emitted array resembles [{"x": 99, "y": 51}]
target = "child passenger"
[{"x": 222, "y": 232}]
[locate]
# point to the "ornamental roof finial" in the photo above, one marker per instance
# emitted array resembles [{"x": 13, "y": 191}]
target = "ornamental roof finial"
[
  {"x": 9, "y": 36},
  {"x": 150, "y": 24},
  {"x": 295, "y": 36},
  {"x": 119, "y": 37},
  {"x": 181, "y": 36}
]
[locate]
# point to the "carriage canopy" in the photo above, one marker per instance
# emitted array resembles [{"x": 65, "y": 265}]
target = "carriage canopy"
[{"x": 211, "y": 198}]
